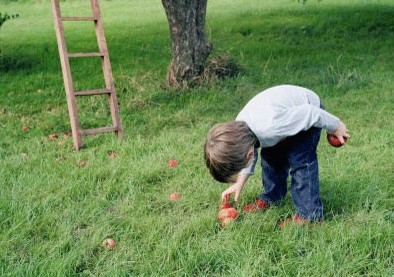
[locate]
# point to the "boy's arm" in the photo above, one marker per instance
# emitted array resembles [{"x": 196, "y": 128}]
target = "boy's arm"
[
  {"x": 235, "y": 188},
  {"x": 242, "y": 178},
  {"x": 304, "y": 117}
]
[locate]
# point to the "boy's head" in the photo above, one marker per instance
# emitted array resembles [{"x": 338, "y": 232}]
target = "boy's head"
[{"x": 226, "y": 150}]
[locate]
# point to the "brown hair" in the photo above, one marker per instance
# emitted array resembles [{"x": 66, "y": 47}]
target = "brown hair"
[{"x": 226, "y": 149}]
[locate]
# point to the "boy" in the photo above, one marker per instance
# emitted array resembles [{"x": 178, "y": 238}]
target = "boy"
[{"x": 285, "y": 122}]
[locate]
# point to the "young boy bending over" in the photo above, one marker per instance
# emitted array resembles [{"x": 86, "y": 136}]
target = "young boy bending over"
[{"x": 285, "y": 122}]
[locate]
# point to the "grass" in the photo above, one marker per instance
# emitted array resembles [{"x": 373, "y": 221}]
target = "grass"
[{"x": 57, "y": 205}]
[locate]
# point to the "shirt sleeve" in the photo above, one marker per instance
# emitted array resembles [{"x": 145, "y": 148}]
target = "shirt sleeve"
[
  {"x": 303, "y": 117},
  {"x": 250, "y": 169}
]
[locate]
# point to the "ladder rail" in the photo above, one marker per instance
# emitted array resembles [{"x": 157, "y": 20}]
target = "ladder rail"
[
  {"x": 67, "y": 76},
  {"x": 107, "y": 71}
]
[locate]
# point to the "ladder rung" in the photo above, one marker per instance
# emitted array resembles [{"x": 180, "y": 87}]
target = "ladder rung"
[
  {"x": 78, "y": 18},
  {"x": 93, "y": 92},
  {"x": 79, "y": 55},
  {"x": 94, "y": 131}
]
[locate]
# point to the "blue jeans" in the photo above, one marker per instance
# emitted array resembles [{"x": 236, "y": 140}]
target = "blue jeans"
[{"x": 296, "y": 155}]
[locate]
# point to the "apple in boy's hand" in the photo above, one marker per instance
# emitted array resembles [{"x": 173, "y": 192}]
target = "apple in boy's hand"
[
  {"x": 334, "y": 141},
  {"x": 227, "y": 213},
  {"x": 108, "y": 243}
]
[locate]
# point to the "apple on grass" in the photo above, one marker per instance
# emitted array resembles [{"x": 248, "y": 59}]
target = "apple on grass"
[
  {"x": 52, "y": 136},
  {"x": 172, "y": 163},
  {"x": 108, "y": 243},
  {"x": 227, "y": 215},
  {"x": 225, "y": 205},
  {"x": 174, "y": 196}
]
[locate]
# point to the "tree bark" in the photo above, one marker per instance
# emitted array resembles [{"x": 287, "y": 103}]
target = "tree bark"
[{"x": 190, "y": 48}]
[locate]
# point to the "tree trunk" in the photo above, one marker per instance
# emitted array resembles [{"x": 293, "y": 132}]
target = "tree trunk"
[{"x": 190, "y": 48}]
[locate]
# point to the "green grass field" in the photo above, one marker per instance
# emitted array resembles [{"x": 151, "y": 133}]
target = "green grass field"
[{"x": 58, "y": 205}]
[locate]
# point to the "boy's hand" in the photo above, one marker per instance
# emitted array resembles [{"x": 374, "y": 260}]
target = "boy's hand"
[
  {"x": 235, "y": 188},
  {"x": 341, "y": 132}
]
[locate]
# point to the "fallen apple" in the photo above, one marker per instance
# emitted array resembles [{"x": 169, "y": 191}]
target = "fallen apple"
[
  {"x": 227, "y": 213},
  {"x": 334, "y": 141},
  {"x": 172, "y": 163},
  {"x": 108, "y": 243},
  {"x": 112, "y": 154},
  {"x": 175, "y": 196},
  {"x": 67, "y": 135},
  {"x": 82, "y": 163},
  {"x": 52, "y": 136},
  {"x": 225, "y": 205}
]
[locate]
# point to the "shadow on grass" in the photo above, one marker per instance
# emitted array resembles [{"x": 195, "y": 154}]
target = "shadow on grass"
[
  {"x": 21, "y": 58},
  {"x": 16, "y": 63},
  {"x": 369, "y": 22}
]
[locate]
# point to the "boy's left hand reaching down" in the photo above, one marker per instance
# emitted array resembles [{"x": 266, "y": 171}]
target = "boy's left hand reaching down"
[{"x": 235, "y": 188}]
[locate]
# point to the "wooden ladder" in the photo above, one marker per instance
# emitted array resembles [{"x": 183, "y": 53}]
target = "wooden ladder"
[{"x": 109, "y": 89}]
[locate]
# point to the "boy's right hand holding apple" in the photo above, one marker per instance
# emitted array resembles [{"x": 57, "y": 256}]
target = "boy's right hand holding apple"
[{"x": 341, "y": 133}]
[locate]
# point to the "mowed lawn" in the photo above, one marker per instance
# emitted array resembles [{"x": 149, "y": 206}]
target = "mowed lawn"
[{"x": 57, "y": 205}]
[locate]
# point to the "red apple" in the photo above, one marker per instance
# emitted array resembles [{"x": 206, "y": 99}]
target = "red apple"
[
  {"x": 227, "y": 213},
  {"x": 112, "y": 154},
  {"x": 67, "y": 135},
  {"x": 172, "y": 163},
  {"x": 225, "y": 205},
  {"x": 82, "y": 163},
  {"x": 334, "y": 141},
  {"x": 175, "y": 196},
  {"x": 25, "y": 128},
  {"x": 52, "y": 136},
  {"x": 108, "y": 243}
]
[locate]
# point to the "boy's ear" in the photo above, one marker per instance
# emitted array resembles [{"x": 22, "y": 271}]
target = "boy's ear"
[{"x": 250, "y": 153}]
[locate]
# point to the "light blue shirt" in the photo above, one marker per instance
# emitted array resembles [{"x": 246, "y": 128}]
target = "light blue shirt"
[{"x": 283, "y": 111}]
